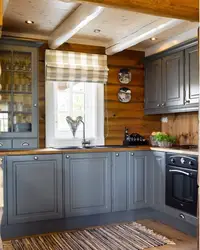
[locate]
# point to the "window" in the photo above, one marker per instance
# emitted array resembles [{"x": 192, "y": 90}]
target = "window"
[{"x": 74, "y": 99}]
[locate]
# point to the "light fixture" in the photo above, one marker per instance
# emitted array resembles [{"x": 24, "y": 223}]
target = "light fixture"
[
  {"x": 153, "y": 38},
  {"x": 29, "y": 22},
  {"x": 97, "y": 31}
]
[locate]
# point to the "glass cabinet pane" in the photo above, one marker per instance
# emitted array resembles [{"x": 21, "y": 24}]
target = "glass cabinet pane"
[
  {"x": 6, "y": 60},
  {"x": 22, "y": 123},
  {"x": 5, "y": 102},
  {"x": 22, "y": 61},
  {"x": 5, "y": 122},
  {"x": 16, "y": 86},
  {"x": 22, "y": 82},
  {"x": 22, "y": 103},
  {"x": 5, "y": 81}
]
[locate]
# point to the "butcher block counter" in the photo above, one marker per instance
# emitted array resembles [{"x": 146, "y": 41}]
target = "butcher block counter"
[{"x": 98, "y": 149}]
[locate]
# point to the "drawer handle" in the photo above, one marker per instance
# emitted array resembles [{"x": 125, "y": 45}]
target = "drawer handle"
[
  {"x": 25, "y": 144},
  {"x": 1, "y": 144},
  {"x": 35, "y": 158}
]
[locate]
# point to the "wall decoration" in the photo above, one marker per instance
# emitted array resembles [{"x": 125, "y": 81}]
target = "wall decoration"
[
  {"x": 73, "y": 124},
  {"x": 124, "y": 95},
  {"x": 125, "y": 76}
]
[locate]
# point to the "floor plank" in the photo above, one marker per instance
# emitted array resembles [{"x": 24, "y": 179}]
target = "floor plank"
[{"x": 183, "y": 241}]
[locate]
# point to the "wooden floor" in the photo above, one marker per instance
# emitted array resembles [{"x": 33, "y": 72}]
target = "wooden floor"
[{"x": 183, "y": 241}]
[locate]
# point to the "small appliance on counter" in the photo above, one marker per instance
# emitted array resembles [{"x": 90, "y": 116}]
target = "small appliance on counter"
[{"x": 133, "y": 139}]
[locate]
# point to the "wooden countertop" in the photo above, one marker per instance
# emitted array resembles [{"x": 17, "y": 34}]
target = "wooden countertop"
[{"x": 96, "y": 150}]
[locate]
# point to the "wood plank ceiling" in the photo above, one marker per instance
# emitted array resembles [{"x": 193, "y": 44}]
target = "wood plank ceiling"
[{"x": 180, "y": 9}]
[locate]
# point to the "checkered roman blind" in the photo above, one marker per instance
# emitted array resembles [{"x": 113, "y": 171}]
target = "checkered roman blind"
[{"x": 76, "y": 67}]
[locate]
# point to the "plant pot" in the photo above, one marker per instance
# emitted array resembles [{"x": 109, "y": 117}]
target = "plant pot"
[
  {"x": 153, "y": 141},
  {"x": 164, "y": 144}
]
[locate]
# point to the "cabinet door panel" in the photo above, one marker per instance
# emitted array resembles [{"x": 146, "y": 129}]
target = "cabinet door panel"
[
  {"x": 34, "y": 188},
  {"x": 159, "y": 181},
  {"x": 173, "y": 79},
  {"x": 87, "y": 184},
  {"x": 192, "y": 75},
  {"x": 139, "y": 191},
  {"x": 153, "y": 84},
  {"x": 119, "y": 181}
]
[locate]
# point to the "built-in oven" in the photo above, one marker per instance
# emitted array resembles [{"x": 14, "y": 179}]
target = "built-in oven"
[{"x": 181, "y": 182}]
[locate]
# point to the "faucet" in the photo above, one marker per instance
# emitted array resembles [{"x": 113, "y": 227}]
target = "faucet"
[{"x": 84, "y": 141}]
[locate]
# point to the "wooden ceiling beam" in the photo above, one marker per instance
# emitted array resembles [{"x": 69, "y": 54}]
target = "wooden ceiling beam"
[
  {"x": 144, "y": 33},
  {"x": 84, "y": 14},
  {"x": 179, "y": 9}
]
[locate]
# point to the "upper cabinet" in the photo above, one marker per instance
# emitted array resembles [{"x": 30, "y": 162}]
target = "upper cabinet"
[
  {"x": 18, "y": 96},
  {"x": 152, "y": 84},
  {"x": 172, "y": 80},
  {"x": 192, "y": 75}
]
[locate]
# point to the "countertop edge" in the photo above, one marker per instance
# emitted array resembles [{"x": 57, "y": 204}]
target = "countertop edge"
[{"x": 96, "y": 150}]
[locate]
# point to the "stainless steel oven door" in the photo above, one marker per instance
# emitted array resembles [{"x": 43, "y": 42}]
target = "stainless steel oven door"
[{"x": 181, "y": 189}]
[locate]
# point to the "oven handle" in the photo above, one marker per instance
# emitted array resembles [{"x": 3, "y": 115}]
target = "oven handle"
[{"x": 179, "y": 171}]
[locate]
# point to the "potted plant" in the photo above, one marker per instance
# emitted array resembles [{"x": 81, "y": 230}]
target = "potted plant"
[{"x": 164, "y": 140}]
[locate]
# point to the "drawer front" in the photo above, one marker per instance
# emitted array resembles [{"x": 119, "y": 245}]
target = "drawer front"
[
  {"x": 5, "y": 144},
  {"x": 25, "y": 143}
]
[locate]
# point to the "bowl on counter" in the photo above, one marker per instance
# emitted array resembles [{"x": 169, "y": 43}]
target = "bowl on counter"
[{"x": 164, "y": 144}]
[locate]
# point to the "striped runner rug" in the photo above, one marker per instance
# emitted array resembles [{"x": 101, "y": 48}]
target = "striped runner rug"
[{"x": 127, "y": 236}]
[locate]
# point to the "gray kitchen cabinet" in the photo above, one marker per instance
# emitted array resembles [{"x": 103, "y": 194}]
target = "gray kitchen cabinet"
[
  {"x": 153, "y": 80},
  {"x": 119, "y": 181},
  {"x": 87, "y": 185},
  {"x": 139, "y": 179},
  {"x": 34, "y": 186},
  {"x": 19, "y": 99},
  {"x": 173, "y": 80},
  {"x": 178, "y": 89},
  {"x": 3, "y": 166},
  {"x": 158, "y": 181},
  {"x": 192, "y": 75}
]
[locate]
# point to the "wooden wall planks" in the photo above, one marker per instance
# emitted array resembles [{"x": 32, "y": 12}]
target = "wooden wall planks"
[
  {"x": 184, "y": 126},
  {"x": 119, "y": 115}
]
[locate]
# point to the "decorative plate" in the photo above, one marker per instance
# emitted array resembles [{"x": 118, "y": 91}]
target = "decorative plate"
[
  {"x": 124, "y": 95},
  {"x": 124, "y": 76}
]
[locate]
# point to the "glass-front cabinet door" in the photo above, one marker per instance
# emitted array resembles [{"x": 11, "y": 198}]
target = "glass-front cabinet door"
[{"x": 18, "y": 92}]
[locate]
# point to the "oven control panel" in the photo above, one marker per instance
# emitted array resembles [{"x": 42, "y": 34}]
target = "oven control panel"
[{"x": 185, "y": 161}]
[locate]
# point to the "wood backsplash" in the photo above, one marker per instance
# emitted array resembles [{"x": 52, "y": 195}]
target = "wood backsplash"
[
  {"x": 184, "y": 126},
  {"x": 117, "y": 115}
]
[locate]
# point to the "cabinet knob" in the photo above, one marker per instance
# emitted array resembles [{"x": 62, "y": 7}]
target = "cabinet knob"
[
  {"x": 1, "y": 161},
  {"x": 35, "y": 158},
  {"x": 187, "y": 101},
  {"x": 35, "y": 104},
  {"x": 1, "y": 144},
  {"x": 117, "y": 154},
  {"x": 158, "y": 105},
  {"x": 163, "y": 104},
  {"x": 67, "y": 156},
  {"x": 132, "y": 154}
]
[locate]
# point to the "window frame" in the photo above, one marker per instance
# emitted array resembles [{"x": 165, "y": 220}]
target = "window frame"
[{"x": 51, "y": 117}]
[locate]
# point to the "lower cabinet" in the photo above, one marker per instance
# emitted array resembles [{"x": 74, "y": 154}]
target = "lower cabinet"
[
  {"x": 34, "y": 186},
  {"x": 139, "y": 179},
  {"x": 87, "y": 187},
  {"x": 158, "y": 181},
  {"x": 119, "y": 181}
]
